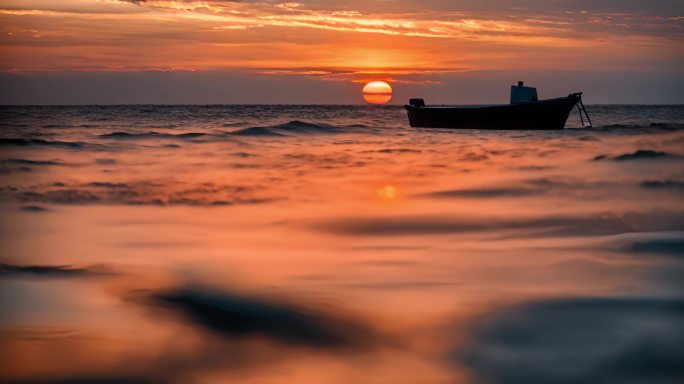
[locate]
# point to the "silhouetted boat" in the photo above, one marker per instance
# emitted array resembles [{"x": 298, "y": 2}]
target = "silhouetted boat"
[{"x": 524, "y": 112}]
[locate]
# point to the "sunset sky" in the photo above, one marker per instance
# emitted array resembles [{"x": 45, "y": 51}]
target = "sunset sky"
[{"x": 461, "y": 51}]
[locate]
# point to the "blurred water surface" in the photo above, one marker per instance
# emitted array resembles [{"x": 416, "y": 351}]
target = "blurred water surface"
[{"x": 335, "y": 244}]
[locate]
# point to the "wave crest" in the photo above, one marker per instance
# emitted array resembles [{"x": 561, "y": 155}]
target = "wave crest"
[{"x": 295, "y": 127}]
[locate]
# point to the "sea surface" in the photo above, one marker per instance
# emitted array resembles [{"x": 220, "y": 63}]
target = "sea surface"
[{"x": 335, "y": 244}]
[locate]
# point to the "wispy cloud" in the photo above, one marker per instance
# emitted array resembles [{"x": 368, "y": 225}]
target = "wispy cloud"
[{"x": 40, "y": 35}]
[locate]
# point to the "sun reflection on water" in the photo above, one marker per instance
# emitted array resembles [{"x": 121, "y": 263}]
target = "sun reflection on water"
[{"x": 387, "y": 192}]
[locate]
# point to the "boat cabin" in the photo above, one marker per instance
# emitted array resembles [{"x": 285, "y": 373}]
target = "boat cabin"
[{"x": 521, "y": 94}]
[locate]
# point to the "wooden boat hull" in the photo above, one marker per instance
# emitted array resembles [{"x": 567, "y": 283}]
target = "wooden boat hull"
[{"x": 541, "y": 115}]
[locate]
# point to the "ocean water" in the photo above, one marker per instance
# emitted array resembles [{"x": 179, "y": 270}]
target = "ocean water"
[{"x": 335, "y": 244}]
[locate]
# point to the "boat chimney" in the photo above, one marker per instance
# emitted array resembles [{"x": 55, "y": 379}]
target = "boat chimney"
[{"x": 520, "y": 83}]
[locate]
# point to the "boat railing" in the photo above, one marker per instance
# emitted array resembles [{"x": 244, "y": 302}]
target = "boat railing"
[{"x": 582, "y": 110}]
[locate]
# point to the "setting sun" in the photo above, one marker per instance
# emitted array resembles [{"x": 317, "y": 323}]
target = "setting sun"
[{"x": 377, "y": 92}]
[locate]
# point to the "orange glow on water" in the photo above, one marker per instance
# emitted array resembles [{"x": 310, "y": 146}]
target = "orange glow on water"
[
  {"x": 387, "y": 192},
  {"x": 111, "y": 251},
  {"x": 377, "y": 92}
]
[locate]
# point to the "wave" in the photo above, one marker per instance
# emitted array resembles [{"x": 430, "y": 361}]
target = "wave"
[
  {"x": 296, "y": 127},
  {"x": 151, "y": 135},
  {"x": 27, "y": 142},
  {"x": 136, "y": 193},
  {"x": 663, "y": 184},
  {"x": 42, "y": 270},
  {"x": 34, "y": 208},
  {"x": 651, "y": 126},
  {"x": 640, "y": 154},
  {"x": 30, "y": 162}
]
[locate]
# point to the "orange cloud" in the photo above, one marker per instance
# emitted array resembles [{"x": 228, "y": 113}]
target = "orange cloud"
[{"x": 118, "y": 35}]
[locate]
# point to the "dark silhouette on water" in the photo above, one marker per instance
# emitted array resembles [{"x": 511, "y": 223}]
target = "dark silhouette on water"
[{"x": 525, "y": 112}]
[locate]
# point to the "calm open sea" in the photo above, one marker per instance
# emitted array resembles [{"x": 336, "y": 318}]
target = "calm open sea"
[{"x": 335, "y": 244}]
